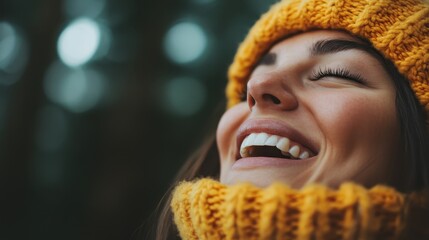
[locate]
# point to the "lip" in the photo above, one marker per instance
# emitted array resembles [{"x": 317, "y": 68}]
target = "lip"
[
  {"x": 261, "y": 162},
  {"x": 273, "y": 127}
]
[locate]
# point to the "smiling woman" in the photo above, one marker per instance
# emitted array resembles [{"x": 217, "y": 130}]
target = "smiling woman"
[
  {"x": 318, "y": 102},
  {"x": 325, "y": 133}
]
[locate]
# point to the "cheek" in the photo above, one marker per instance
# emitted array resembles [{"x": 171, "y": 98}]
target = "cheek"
[
  {"x": 358, "y": 121},
  {"x": 362, "y": 139},
  {"x": 227, "y": 129}
]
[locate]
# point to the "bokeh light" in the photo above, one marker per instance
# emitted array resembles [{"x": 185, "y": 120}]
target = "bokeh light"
[
  {"x": 8, "y": 40},
  {"x": 79, "y": 42},
  {"x": 184, "y": 96},
  {"x": 13, "y": 53},
  {"x": 87, "y": 8},
  {"x": 78, "y": 90},
  {"x": 185, "y": 42}
]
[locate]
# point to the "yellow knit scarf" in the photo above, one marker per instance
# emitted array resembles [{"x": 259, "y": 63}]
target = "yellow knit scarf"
[{"x": 207, "y": 209}]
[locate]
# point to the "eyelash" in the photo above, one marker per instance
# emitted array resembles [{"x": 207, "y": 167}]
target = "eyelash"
[
  {"x": 339, "y": 72},
  {"x": 326, "y": 72}
]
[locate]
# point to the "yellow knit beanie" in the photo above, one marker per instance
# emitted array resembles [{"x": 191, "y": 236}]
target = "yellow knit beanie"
[{"x": 398, "y": 29}]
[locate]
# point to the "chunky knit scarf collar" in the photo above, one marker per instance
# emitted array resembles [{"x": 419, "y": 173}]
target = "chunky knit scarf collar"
[{"x": 207, "y": 209}]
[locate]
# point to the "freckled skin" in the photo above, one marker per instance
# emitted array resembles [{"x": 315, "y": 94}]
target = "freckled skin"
[{"x": 355, "y": 125}]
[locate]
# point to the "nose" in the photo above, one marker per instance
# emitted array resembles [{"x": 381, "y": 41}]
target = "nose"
[{"x": 269, "y": 92}]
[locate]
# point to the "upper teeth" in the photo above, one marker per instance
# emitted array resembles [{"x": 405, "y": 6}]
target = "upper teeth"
[{"x": 282, "y": 143}]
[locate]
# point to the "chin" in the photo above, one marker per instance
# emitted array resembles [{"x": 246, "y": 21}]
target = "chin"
[{"x": 264, "y": 177}]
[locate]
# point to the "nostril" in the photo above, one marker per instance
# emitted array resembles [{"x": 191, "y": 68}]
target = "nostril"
[
  {"x": 269, "y": 97},
  {"x": 251, "y": 100}
]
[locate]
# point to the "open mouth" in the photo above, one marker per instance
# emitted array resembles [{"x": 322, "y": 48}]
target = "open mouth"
[{"x": 268, "y": 145}]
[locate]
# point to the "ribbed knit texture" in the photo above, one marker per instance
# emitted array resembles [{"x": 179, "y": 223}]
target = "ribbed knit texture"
[
  {"x": 207, "y": 209},
  {"x": 398, "y": 29}
]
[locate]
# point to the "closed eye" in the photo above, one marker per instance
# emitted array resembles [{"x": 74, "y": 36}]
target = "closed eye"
[{"x": 337, "y": 73}]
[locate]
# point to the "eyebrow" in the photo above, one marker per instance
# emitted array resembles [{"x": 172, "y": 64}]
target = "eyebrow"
[
  {"x": 268, "y": 59},
  {"x": 329, "y": 46}
]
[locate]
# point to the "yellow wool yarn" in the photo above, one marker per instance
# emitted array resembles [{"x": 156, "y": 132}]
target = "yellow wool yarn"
[
  {"x": 207, "y": 209},
  {"x": 398, "y": 29}
]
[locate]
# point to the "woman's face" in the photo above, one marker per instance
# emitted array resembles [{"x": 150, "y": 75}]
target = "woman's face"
[{"x": 319, "y": 108}]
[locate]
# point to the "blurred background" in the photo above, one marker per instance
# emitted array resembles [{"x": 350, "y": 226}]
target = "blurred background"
[{"x": 101, "y": 101}]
